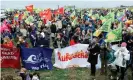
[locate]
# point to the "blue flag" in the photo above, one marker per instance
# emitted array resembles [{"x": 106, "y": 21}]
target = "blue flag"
[{"x": 36, "y": 58}]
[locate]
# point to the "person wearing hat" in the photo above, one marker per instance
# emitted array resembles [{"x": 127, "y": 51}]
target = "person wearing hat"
[{"x": 122, "y": 56}]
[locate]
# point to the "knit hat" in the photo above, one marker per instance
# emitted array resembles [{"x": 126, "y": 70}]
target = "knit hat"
[{"x": 124, "y": 44}]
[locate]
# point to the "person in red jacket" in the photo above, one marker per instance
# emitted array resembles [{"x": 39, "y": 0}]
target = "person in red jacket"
[
  {"x": 8, "y": 42},
  {"x": 73, "y": 41}
]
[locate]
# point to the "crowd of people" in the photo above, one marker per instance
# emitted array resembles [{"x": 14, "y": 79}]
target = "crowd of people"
[{"x": 60, "y": 32}]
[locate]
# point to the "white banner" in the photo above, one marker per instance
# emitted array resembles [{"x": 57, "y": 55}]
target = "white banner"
[{"x": 73, "y": 56}]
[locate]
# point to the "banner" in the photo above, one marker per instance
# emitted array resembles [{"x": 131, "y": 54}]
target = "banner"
[
  {"x": 73, "y": 56},
  {"x": 36, "y": 58},
  {"x": 10, "y": 57}
]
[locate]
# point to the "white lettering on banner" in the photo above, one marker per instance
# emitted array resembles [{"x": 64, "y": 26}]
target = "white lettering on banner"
[
  {"x": 73, "y": 56},
  {"x": 9, "y": 57},
  {"x": 5, "y": 49},
  {"x": 7, "y": 53},
  {"x": 68, "y": 56},
  {"x": 35, "y": 68},
  {"x": 41, "y": 66},
  {"x": 44, "y": 65}
]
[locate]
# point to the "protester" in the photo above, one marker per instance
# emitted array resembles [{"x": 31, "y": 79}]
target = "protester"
[
  {"x": 8, "y": 42},
  {"x": 23, "y": 73},
  {"x": 42, "y": 41},
  {"x": 67, "y": 29},
  {"x": 103, "y": 55},
  {"x": 22, "y": 42},
  {"x": 94, "y": 50},
  {"x": 59, "y": 41},
  {"x": 36, "y": 76},
  {"x": 73, "y": 41},
  {"x": 53, "y": 31},
  {"x": 23, "y": 31},
  {"x": 122, "y": 55}
]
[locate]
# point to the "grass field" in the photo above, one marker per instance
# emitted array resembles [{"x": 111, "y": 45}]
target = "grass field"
[{"x": 63, "y": 74}]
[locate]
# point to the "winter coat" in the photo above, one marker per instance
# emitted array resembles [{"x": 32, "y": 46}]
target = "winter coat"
[
  {"x": 59, "y": 43},
  {"x": 9, "y": 44},
  {"x": 53, "y": 28},
  {"x": 72, "y": 42},
  {"x": 122, "y": 55},
  {"x": 92, "y": 57},
  {"x": 42, "y": 42}
]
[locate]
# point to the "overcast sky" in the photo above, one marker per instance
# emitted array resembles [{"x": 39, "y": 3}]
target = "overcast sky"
[{"x": 53, "y": 3}]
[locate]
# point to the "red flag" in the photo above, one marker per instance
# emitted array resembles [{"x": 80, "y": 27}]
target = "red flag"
[
  {"x": 46, "y": 14},
  {"x": 29, "y": 8},
  {"x": 59, "y": 11},
  {"x": 10, "y": 57}
]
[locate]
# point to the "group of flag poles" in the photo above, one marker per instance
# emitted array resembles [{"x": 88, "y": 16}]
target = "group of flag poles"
[{"x": 112, "y": 35}]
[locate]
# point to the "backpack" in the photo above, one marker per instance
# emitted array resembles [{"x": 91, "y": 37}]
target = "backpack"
[{"x": 110, "y": 57}]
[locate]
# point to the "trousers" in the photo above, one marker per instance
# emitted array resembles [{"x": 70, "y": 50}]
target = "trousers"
[
  {"x": 122, "y": 71},
  {"x": 93, "y": 69}
]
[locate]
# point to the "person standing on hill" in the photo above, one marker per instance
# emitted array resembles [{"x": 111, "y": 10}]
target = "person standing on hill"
[
  {"x": 122, "y": 56},
  {"x": 94, "y": 50}
]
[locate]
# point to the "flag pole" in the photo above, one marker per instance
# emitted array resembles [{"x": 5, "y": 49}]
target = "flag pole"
[{"x": 58, "y": 6}]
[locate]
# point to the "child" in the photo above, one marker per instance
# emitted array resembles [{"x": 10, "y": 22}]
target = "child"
[
  {"x": 23, "y": 73},
  {"x": 36, "y": 76}
]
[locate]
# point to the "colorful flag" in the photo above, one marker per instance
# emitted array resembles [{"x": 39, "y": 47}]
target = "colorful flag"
[
  {"x": 106, "y": 27},
  {"x": 60, "y": 11},
  {"x": 25, "y": 14},
  {"x": 29, "y": 20},
  {"x": 16, "y": 16},
  {"x": 97, "y": 33},
  {"x": 115, "y": 35},
  {"x": 111, "y": 16},
  {"x": 103, "y": 19},
  {"x": 36, "y": 58},
  {"x": 10, "y": 57},
  {"x": 29, "y": 8},
  {"x": 90, "y": 13},
  {"x": 37, "y": 10},
  {"x": 73, "y": 14},
  {"x": 46, "y": 14},
  {"x": 75, "y": 21},
  {"x": 96, "y": 16}
]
